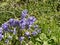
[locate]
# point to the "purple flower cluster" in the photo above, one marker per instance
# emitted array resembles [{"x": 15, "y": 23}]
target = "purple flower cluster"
[
  {"x": 24, "y": 25},
  {"x": 24, "y": 13},
  {"x": 5, "y": 26}
]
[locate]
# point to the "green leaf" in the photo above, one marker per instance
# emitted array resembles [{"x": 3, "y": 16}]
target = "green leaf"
[
  {"x": 46, "y": 43},
  {"x": 43, "y": 37},
  {"x": 37, "y": 43},
  {"x": 54, "y": 38},
  {"x": 30, "y": 43},
  {"x": 37, "y": 39},
  {"x": 17, "y": 0},
  {"x": 4, "y": 4}
]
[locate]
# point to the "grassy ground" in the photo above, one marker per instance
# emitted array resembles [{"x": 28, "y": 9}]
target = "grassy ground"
[{"x": 47, "y": 13}]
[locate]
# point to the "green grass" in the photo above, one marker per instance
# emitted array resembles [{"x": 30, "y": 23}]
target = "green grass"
[{"x": 47, "y": 13}]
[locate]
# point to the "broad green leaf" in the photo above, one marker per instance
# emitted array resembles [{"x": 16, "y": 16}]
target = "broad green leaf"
[
  {"x": 43, "y": 37},
  {"x": 37, "y": 43},
  {"x": 38, "y": 39},
  {"x": 46, "y": 43},
  {"x": 54, "y": 38}
]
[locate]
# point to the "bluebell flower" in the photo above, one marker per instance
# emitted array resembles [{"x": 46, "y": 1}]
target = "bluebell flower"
[
  {"x": 16, "y": 22},
  {"x": 24, "y": 13},
  {"x": 1, "y": 30},
  {"x": 7, "y": 41},
  {"x": 34, "y": 33},
  {"x": 21, "y": 38},
  {"x": 14, "y": 32},
  {"x": 27, "y": 33},
  {"x": 22, "y": 23},
  {"x": 5, "y": 26},
  {"x": 22, "y": 26},
  {"x": 36, "y": 26},
  {"x": 1, "y": 36},
  {"x": 12, "y": 22},
  {"x": 38, "y": 31},
  {"x": 31, "y": 20}
]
